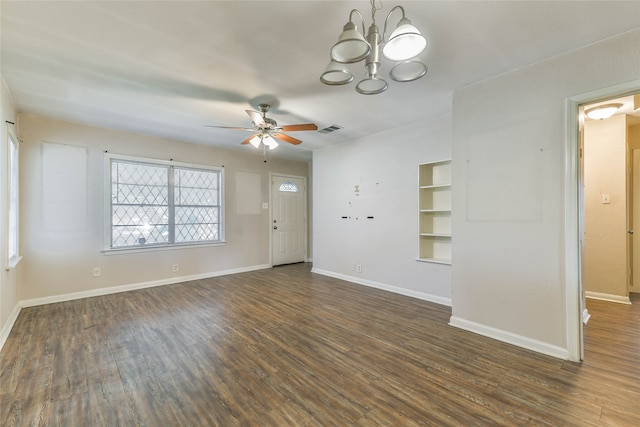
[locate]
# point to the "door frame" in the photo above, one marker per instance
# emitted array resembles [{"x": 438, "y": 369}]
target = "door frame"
[
  {"x": 574, "y": 212},
  {"x": 304, "y": 213},
  {"x": 635, "y": 178}
]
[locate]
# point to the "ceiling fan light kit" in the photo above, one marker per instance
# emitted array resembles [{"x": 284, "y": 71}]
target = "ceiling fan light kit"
[
  {"x": 266, "y": 130},
  {"x": 267, "y": 141},
  {"x": 403, "y": 45}
]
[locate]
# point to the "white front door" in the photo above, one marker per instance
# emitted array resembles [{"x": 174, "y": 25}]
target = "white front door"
[{"x": 288, "y": 216}]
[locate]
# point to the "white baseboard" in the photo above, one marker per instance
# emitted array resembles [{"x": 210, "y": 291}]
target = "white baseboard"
[
  {"x": 510, "y": 338},
  {"x": 6, "y": 329},
  {"x": 134, "y": 286},
  {"x": 608, "y": 297},
  {"x": 385, "y": 287}
]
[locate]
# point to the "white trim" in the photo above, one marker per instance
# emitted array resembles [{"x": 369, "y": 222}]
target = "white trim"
[
  {"x": 134, "y": 286},
  {"x": 6, "y": 329},
  {"x": 152, "y": 248},
  {"x": 608, "y": 297},
  {"x": 395, "y": 289},
  {"x": 13, "y": 263},
  {"x": 572, "y": 258},
  {"x": 510, "y": 338}
]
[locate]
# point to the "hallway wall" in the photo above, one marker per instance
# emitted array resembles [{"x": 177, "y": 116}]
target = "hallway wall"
[{"x": 605, "y": 237}]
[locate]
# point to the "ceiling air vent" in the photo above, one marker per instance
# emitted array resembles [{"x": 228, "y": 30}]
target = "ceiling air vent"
[{"x": 330, "y": 129}]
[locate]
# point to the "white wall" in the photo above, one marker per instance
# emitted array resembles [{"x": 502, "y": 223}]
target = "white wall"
[
  {"x": 508, "y": 197},
  {"x": 605, "y": 224},
  {"x": 385, "y": 169},
  {"x": 59, "y": 260},
  {"x": 8, "y": 288}
]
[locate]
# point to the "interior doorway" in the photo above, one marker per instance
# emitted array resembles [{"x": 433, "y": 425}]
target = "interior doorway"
[
  {"x": 288, "y": 219},
  {"x": 575, "y": 302},
  {"x": 577, "y": 314},
  {"x": 635, "y": 221},
  {"x": 607, "y": 202}
]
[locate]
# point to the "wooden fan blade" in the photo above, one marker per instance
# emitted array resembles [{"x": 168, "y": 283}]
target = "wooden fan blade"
[
  {"x": 286, "y": 138},
  {"x": 248, "y": 140},
  {"x": 293, "y": 128},
  {"x": 230, "y": 127},
  {"x": 256, "y": 117}
]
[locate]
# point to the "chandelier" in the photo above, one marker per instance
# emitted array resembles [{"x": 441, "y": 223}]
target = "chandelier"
[{"x": 402, "y": 46}]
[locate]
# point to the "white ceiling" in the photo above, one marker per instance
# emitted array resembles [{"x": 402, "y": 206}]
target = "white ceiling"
[{"x": 169, "y": 68}]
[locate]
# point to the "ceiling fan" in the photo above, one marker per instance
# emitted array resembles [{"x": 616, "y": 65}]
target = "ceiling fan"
[{"x": 266, "y": 130}]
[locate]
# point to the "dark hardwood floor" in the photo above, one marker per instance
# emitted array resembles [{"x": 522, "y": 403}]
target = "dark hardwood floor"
[{"x": 284, "y": 347}]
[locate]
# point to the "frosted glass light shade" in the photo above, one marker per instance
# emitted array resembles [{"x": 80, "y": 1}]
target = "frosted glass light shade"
[
  {"x": 270, "y": 142},
  {"x": 371, "y": 86},
  {"x": 408, "y": 71},
  {"x": 336, "y": 74},
  {"x": 351, "y": 46},
  {"x": 405, "y": 42},
  {"x": 255, "y": 141}
]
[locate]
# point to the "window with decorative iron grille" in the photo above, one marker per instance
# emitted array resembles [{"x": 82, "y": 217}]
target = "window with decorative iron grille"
[{"x": 156, "y": 203}]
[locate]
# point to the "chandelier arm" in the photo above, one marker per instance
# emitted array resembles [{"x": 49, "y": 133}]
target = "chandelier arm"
[
  {"x": 360, "y": 15},
  {"x": 386, "y": 21}
]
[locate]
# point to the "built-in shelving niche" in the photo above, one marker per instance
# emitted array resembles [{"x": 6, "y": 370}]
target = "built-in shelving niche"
[{"x": 435, "y": 212}]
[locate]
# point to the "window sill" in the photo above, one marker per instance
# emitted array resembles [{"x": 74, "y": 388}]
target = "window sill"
[
  {"x": 13, "y": 263},
  {"x": 143, "y": 249}
]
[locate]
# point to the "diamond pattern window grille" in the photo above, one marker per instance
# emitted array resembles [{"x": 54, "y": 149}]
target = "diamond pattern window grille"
[
  {"x": 156, "y": 204},
  {"x": 197, "y": 205}
]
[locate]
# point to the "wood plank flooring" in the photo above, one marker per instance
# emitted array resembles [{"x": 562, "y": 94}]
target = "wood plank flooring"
[{"x": 285, "y": 347}]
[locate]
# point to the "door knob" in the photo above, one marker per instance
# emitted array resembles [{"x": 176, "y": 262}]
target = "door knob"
[
  {"x": 630, "y": 231},
  {"x": 275, "y": 227}
]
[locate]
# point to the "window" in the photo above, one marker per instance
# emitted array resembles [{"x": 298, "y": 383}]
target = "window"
[
  {"x": 289, "y": 187},
  {"x": 13, "y": 246},
  {"x": 155, "y": 203}
]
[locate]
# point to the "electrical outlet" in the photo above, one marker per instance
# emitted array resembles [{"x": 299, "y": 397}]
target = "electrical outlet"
[
  {"x": 359, "y": 268},
  {"x": 176, "y": 267},
  {"x": 96, "y": 271}
]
